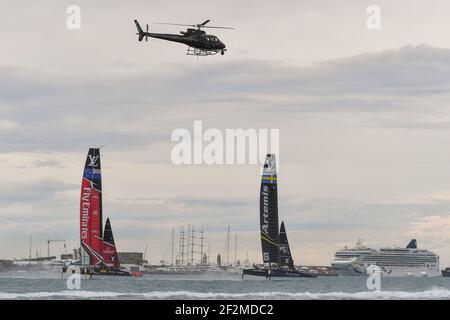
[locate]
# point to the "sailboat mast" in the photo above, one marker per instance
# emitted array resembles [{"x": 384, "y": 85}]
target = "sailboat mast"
[
  {"x": 173, "y": 240},
  {"x": 209, "y": 252},
  {"x": 235, "y": 250},
  {"x": 192, "y": 244},
  {"x": 201, "y": 246},
  {"x": 182, "y": 244},
  {"x": 188, "y": 243},
  {"x": 31, "y": 239},
  {"x": 228, "y": 246}
]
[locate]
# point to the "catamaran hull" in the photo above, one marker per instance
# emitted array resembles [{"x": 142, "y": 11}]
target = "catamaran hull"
[
  {"x": 278, "y": 273},
  {"x": 101, "y": 272},
  {"x": 96, "y": 271}
]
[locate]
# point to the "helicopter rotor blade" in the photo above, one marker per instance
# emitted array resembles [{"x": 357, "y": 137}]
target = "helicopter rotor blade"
[
  {"x": 214, "y": 27},
  {"x": 146, "y": 36},
  {"x": 202, "y": 25},
  {"x": 176, "y": 24}
]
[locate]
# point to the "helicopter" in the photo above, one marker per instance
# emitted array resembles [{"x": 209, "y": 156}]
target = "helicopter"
[{"x": 199, "y": 43}]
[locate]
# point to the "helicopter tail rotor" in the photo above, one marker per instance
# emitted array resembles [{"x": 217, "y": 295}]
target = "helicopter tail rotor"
[
  {"x": 141, "y": 32},
  {"x": 203, "y": 24}
]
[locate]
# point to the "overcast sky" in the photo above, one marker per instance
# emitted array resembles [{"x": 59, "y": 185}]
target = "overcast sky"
[{"x": 364, "y": 120}]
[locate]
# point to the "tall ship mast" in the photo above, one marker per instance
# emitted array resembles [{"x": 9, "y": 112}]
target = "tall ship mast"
[{"x": 276, "y": 254}]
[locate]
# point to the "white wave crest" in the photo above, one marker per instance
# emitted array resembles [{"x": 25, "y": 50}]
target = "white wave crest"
[{"x": 436, "y": 293}]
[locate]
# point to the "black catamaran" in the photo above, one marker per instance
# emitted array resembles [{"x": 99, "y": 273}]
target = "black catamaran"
[{"x": 276, "y": 253}]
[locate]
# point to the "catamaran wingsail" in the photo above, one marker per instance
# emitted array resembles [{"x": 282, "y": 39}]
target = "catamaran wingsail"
[
  {"x": 268, "y": 213},
  {"x": 274, "y": 243},
  {"x": 91, "y": 233},
  {"x": 98, "y": 249},
  {"x": 285, "y": 252}
]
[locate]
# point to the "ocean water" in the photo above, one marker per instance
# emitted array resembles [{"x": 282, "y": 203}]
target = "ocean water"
[{"x": 50, "y": 285}]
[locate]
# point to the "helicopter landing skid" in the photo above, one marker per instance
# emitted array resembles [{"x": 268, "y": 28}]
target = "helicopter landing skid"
[{"x": 200, "y": 52}]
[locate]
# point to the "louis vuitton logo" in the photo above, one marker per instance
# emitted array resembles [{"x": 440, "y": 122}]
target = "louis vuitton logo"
[{"x": 93, "y": 160}]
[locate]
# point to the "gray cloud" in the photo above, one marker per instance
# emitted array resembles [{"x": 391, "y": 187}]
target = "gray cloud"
[
  {"x": 128, "y": 109},
  {"x": 346, "y": 214},
  {"x": 51, "y": 163},
  {"x": 191, "y": 201},
  {"x": 32, "y": 192}
]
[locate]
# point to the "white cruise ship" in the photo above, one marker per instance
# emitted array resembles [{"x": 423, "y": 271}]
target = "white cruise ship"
[{"x": 399, "y": 262}]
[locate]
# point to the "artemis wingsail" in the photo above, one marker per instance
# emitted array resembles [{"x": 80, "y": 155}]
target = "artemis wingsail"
[
  {"x": 276, "y": 253},
  {"x": 268, "y": 213}
]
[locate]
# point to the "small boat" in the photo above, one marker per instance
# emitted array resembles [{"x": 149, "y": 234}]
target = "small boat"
[
  {"x": 446, "y": 272},
  {"x": 276, "y": 253}
]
